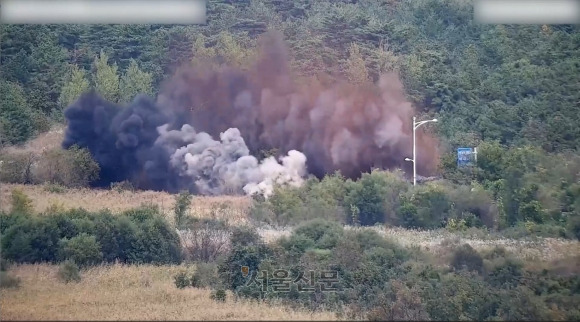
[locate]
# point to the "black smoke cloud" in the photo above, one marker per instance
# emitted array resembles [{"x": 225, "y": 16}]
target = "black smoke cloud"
[
  {"x": 156, "y": 145},
  {"x": 121, "y": 140}
]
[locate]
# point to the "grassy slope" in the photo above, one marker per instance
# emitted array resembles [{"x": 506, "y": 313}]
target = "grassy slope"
[{"x": 127, "y": 293}]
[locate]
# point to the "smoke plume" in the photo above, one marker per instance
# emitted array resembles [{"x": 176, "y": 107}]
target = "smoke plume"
[{"x": 169, "y": 144}]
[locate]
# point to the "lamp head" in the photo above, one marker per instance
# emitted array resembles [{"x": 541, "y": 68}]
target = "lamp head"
[
  {"x": 407, "y": 159},
  {"x": 434, "y": 120}
]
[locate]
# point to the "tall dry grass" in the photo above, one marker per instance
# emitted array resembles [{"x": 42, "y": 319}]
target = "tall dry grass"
[
  {"x": 120, "y": 292},
  {"x": 231, "y": 208}
]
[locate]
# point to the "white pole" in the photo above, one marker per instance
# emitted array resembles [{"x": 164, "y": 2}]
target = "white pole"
[{"x": 414, "y": 154}]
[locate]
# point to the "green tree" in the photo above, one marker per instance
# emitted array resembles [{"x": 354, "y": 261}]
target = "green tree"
[
  {"x": 16, "y": 123},
  {"x": 47, "y": 75},
  {"x": 83, "y": 249},
  {"x": 105, "y": 78},
  {"x": 77, "y": 85},
  {"x": 356, "y": 70},
  {"x": 135, "y": 81}
]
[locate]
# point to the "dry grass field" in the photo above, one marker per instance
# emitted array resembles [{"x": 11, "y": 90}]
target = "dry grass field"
[
  {"x": 120, "y": 292},
  {"x": 232, "y": 208}
]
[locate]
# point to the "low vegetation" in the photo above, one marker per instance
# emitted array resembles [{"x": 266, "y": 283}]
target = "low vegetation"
[{"x": 319, "y": 266}]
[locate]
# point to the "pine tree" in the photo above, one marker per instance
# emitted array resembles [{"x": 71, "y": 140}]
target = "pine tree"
[
  {"x": 48, "y": 63},
  {"x": 106, "y": 79},
  {"x": 76, "y": 85},
  {"x": 16, "y": 124},
  {"x": 135, "y": 81}
]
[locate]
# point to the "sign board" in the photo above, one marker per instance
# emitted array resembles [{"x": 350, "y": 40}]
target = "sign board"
[{"x": 464, "y": 156}]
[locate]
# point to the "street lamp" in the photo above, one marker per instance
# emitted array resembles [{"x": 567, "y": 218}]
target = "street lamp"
[{"x": 415, "y": 126}]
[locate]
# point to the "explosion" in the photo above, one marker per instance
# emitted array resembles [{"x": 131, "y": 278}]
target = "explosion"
[{"x": 169, "y": 144}]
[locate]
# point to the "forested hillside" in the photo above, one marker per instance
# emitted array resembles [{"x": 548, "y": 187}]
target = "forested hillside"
[
  {"x": 514, "y": 84},
  {"x": 511, "y": 90}
]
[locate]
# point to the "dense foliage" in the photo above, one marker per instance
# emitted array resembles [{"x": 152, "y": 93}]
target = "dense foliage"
[
  {"x": 136, "y": 236},
  {"x": 377, "y": 279}
]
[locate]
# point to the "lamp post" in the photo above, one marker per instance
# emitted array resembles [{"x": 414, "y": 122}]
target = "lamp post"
[{"x": 415, "y": 126}]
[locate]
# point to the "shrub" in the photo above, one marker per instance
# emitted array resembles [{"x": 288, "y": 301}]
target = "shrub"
[
  {"x": 325, "y": 234},
  {"x": 218, "y": 295},
  {"x": 465, "y": 257},
  {"x": 205, "y": 275},
  {"x": 31, "y": 240},
  {"x": 244, "y": 236},
  {"x": 182, "y": 204},
  {"x": 21, "y": 203},
  {"x": 122, "y": 186},
  {"x": 16, "y": 167},
  {"x": 206, "y": 240},
  {"x": 506, "y": 273},
  {"x": 68, "y": 272},
  {"x": 8, "y": 281},
  {"x": 4, "y": 264},
  {"x": 156, "y": 242},
  {"x": 72, "y": 168},
  {"x": 230, "y": 269},
  {"x": 136, "y": 236},
  {"x": 408, "y": 215},
  {"x": 367, "y": 195},
  {"x": 82, "y": 249},
  {"x": 432, "y": 203},
  {"x": 54, "y": 188},
  {"x": 181, "y": 280}
]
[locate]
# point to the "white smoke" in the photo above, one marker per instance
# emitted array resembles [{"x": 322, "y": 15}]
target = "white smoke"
[{"x": 226, "y": 166}]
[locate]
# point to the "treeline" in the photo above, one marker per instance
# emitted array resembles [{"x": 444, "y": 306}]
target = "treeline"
[
  {"x": 515, "y": 191},
  {"x": 136, "y": 236},
  {"x": 513, "y": 84}
]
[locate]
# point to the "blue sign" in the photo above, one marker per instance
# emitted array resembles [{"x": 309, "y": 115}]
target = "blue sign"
[{"x": 464, "y": 156}]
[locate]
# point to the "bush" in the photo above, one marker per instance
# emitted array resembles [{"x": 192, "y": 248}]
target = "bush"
[
  {"x": 155, "y": 242},
  {"x": 506, "y": 273},
  {"x": 367, "y": 195},
  {"x": 4, "y": 264},
  {"x": 21, "y": 203},
  {"x": 8, "y": 281},
  {"x": 218, "y": 295},
  {"x": 71, "y": 168},
  {"x": 16, "y": 167},
  {"x": 206, "y": 240},
  {"x": 54, "y": 188},
  {"x": 122, "y": 186},
  {"x": 325, "y": 234},
  {"x": 182, "y": 204},
  {"x": 32, "y": 240},
  {"x": 465, "y": 257},
  {"x": 182, "y": 280},
  {"x": 205, "y": 275},
  {"x": 82, "y": 249},
  {"x": 230, "y": 269},
  {"x": 68, "y": 272},
  {"x": 432, "y": 205},
  {"x": 244, "y": 236},
  {"x": 136, "y": 236}
]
